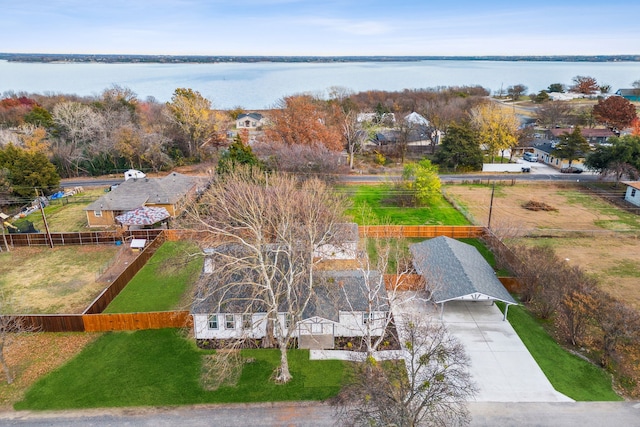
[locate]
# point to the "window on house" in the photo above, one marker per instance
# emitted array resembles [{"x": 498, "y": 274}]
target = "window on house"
[
  {"x": 287, "y": 321},
  {"x": 97, "y": 214},
  {"x": 247, "y": 323},
  {"x": 213, "y": 321},
  {"x": 229, "y": 321},
  {"x": 633, "y": 192},
  {"x": 366, "y": 317}
]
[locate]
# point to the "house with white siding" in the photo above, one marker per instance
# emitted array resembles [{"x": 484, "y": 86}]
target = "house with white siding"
[
  {"x": 632, "y": 195},
  {"x": 341, "y": 305},
  {"x": 250, "y": 121}
]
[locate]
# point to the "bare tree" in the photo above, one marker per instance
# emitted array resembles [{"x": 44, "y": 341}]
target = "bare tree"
[
  {"x": 353, "y": 135},
  {"x": 387, "y": 256},
  {"x": 430, "y": 389},
  {"x": 274, "y": 225},
  {"x": 311, "y": 160},
  {"x": 552, "y": 114},
  {"x": 79, "y": 128}
]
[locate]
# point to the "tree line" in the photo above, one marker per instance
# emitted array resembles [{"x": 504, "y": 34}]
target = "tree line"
[{"x": 305, "y": 133}]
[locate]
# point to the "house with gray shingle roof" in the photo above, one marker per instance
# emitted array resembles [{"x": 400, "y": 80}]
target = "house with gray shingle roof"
[
  {"x": 454, "y": 270},
  {"x": 340, "y": 305},
  {"x": 250, "y": 121},
  {"x": 170, "y": 192}
]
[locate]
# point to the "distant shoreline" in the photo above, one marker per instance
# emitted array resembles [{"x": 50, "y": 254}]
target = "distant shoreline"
[{"x": 210, "y": 59}]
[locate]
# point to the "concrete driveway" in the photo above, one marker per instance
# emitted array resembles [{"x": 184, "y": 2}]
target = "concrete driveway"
[{"x": 501, "y": 365}]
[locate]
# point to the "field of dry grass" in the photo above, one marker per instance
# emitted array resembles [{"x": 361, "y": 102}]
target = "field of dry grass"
[
  {"x": 585, "y": 230},
  {"x": 58, "y": 280}
]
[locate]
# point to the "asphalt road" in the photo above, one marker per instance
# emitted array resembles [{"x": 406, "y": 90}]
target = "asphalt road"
[
  {"x": 303, "y": 414},
  {"x": 100, "y": 182}
]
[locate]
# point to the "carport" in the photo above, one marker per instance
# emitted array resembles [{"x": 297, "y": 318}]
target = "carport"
[{"x": 456, "y": 271}]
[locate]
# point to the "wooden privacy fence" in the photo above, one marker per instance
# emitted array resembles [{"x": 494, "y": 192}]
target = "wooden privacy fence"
[
  {"x": 105, "y": 298},
  {"x": 136, "y": 321},
  {"x": 50, "y": 322},
  {"x": 453, "y": 231},
  {"x": 103, "y": 322},
  {"x": 79, "y": 238},
  {"x": 408, "y": 282}
]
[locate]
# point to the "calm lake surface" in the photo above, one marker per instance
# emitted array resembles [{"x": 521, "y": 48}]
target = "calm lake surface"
[{"x": 260, "y": 85}]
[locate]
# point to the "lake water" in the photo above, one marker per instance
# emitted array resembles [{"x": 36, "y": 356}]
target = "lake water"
[{"x": 260, "y": 85}]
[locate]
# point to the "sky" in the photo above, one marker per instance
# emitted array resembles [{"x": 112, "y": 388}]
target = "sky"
[{"x": 321, "y": 27}]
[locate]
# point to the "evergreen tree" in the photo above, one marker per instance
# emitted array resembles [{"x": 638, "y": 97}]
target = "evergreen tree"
[
  {"x": 237, "y": 154},
  {"x": 460, "y": 149},
  {"x": 28, "y": 170},
  {"x": 572, "y": 146}
]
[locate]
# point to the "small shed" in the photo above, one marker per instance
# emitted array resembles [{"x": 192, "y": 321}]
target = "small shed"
[
  {"x": 138, "y": 244},
  {"x": 455, "y": 270},
  {"x": 632, "y": 195}
]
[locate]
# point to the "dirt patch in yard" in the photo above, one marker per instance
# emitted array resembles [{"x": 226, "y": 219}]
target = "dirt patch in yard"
[
  {"x": 40, "y": 280},
  {"x": 587, "y": 231}
]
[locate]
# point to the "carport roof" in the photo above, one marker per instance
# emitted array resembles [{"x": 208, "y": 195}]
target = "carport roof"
[{"x": 459, "y": 271}]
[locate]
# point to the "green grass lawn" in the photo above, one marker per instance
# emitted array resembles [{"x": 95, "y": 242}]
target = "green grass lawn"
[
  {"x": 569, "y": 374},
  {"x": 162, "y": 367},
  {"x": 373, "y": 205},
  {"x": 162, "y": 283}
]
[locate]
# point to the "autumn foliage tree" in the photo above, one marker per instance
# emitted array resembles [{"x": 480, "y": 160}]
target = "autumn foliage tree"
[
  {"x": 635, "y": 127},
  {"x": 191, "y": 113},
  {"x": 497, "y": 127},
  {"x": 301, "y": 119},
  {"x": 615, "y": 112},
  {"x": 421, "y": 180},
  {"x": 585, "y": 85}
]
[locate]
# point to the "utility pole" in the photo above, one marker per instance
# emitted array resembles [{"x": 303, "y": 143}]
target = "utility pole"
[
  {"x": 44, "y": 219},
  {"x": 5, "y": 229},
  {"x": 493, "y": 189}
]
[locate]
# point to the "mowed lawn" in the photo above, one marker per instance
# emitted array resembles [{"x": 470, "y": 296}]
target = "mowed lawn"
[
  {"x": 377, "y": 204},
  {"x": 568, "y": 373},
  {"x": 163, "y": 367},
  {"x": 164, "y": 283}
]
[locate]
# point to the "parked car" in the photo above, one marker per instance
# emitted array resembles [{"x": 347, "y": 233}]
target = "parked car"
[
  {"x": 526, "y": 169},
  {"x": 530, "y": 157},
  {"x": 572, "y": 169}
]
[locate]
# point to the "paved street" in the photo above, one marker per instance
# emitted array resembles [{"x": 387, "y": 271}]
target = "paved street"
[{"x": 307, "y": 414}]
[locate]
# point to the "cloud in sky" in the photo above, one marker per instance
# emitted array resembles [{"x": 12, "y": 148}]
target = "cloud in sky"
[{"x": 332, "y": 27}]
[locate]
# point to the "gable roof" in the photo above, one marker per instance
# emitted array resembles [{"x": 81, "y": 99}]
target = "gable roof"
[
  {"x": 459, "y": 270},
  {"x": 632, "y": 184},
  {"x": 134, "y": 193},
  {"x": 254, "y": 116},
  {"x": 416, "y": 119}
]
